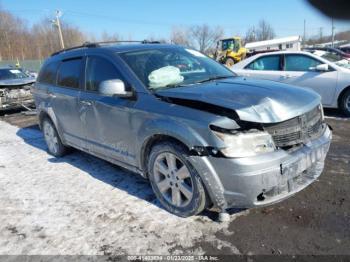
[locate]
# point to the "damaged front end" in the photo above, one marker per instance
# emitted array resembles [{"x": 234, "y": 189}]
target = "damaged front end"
[
  {"x": 256, "y": 164},
  {"x": 14, "y": 96}
]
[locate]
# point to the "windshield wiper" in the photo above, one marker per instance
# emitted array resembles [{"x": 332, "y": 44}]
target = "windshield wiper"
[
  {"x": 213, "y": 78},
  {"x": 167, "y": 86}
]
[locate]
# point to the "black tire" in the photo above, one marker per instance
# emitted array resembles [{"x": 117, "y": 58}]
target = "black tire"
[
  {"x": 199, "y": 198},
  {"x": 345, "y": 103},
  {"x": 229, "y": 62},
  {"x": 60, "y": 149}
]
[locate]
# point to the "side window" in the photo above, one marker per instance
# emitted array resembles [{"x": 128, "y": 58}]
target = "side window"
[
  {"x": 99, "y": 69},
  {"x": 69, "y": 73},
  {"x": 271, "y": 62},
  {"x": 300, "y": 63},
  {"x": 48, "y": 73}
]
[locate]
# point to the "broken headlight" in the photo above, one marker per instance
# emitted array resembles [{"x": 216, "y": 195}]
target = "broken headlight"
[{"x": 246, "y": 144}]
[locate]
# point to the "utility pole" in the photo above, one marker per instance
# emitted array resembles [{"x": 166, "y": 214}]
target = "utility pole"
[
  {"x": 333, "y": 32},
  {"x": 321, "y": 34},
  {"x": 304, "y": 36},
  {"x": 56, "y": 22}
]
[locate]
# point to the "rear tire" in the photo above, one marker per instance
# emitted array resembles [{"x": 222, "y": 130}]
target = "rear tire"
[
  {"x": 175, "y": 181},
  {"x": 345, "y": 103},
  {"x": 52, "y": 139}
]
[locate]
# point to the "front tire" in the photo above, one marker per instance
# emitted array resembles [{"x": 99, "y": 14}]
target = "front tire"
[
  {"x": 52, "y": 139},
  {"x": 229, "y": 62},
  {"x": 345, "y": 103},
  {"x": 174, "y": 180}
]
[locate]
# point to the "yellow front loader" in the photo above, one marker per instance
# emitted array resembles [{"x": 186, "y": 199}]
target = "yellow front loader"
[{"x": 230, "y": 51}]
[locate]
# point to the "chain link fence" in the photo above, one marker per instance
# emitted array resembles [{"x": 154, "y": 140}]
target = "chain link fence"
[{"x": 31, "y": 65}]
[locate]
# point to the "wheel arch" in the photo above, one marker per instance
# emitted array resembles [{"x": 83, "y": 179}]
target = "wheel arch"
[
  {"x": 151, "y": 142},
  {"x": 340, "y": 96},
  {"x": 48, "y": 113},
  {"x": 42, "y": 115}
]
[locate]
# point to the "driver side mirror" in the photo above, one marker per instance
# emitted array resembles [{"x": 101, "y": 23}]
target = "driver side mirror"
[
  {"x": 114, "y": 87},
  {"x": 322, "y": 68}
]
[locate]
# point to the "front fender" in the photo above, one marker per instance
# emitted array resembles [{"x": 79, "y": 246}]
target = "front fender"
[{"x": 172, "y": 128}]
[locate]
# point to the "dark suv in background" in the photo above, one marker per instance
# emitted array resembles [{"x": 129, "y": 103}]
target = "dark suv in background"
[{"x": 201, "y": 135}]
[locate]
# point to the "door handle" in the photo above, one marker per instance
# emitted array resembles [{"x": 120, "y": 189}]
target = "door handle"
[
  {"x": 51, "y": 95},
  {"x": 287, "y": 76},
  {"x": 86, "y": 103}
]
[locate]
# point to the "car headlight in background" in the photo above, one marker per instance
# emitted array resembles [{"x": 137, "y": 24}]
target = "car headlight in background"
[{"x": 246, "y": 144}]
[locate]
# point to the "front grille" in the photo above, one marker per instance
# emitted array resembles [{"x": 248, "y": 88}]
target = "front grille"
[{"x": 297, "y": 130}]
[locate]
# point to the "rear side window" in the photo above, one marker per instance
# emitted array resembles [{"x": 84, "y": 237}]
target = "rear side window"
[
  {"x": 99, "y": 69},
  {"x": 69, "y": 73},
  {"x": 300, "y": 63},
  {"x": 271, "y": 62},
  {"x": 48, "y": 73}
]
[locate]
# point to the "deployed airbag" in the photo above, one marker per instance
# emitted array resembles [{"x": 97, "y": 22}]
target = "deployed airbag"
[{"x": 168, "y": 75}]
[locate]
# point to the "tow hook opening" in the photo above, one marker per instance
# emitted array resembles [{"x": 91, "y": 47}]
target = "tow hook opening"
[
  {"x": 204, "y": 151},
  {"x": 260, "y": 197}
]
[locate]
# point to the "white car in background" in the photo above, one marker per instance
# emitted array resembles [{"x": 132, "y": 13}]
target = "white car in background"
[{"x": 315, "y": 71}]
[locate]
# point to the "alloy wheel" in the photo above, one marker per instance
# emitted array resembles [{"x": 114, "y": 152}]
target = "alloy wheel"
[
  {"x": 173, "y": 179},
  {"x": 347, "y": 103},
  {"x": 50, "y": 137}
]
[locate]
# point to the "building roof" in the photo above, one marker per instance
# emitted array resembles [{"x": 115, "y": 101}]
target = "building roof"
[{"x": 273, "y": 41}]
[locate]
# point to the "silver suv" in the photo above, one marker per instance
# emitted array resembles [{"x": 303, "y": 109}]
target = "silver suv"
[{"x": 204, "y": 137}]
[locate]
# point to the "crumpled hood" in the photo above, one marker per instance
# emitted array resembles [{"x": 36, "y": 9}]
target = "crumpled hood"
[
  {"x": 253, "y": 100},
  {"x": 17, "y": 82}
]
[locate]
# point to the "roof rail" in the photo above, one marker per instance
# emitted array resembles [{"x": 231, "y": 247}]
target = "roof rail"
[
  {"x": 99, "y": 44},
  {"x": 124, "y": 41}
]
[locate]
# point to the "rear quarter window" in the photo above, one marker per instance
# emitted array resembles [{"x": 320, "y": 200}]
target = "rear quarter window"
[
  {"x": 301, "y": 63},
  {"x": 48, "y": 73}
]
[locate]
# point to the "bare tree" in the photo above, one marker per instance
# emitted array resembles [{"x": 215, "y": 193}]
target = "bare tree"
[
  {"x": 110, "y": 37},
  {"x": 180, "y": 36},
  {"x": 21, "y": 42},
  {"x": 204, "y": 37},
  {"x": 250, "y": 35},
  {"x": 263, "y": 31}
]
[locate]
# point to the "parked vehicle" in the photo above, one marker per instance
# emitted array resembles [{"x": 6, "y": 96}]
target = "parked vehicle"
[
  {"x": 332, "y": 57},
  {"x": 345, "y": 49},
  {"x": 330, "y": 80},
  {"x": 202, "y": 136},
  {"x": 331, "y": 50},
  {"x": 15, "y": 87}
]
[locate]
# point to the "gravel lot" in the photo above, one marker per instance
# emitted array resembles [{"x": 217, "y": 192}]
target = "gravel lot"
[{"x": 82, "y": 205}]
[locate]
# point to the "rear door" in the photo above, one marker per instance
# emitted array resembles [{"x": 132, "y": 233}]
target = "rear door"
[
  {"x": 107, "y": 119},
  {"x": 267, "y": 67},
  {"x": 299, "y": 70},
  {"x": 65, "y": 100}
]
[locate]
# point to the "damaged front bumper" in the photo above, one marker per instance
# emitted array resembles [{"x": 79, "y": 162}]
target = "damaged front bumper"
[
  {"x": 264, "y": 179},
  {"x": 15, "y": 98}
]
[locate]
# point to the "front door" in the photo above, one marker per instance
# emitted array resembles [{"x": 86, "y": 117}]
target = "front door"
[
  {"x": 300, "y": 70},
  {"x": 266, "y": 67},
  {"x": 107, "y": 119}
]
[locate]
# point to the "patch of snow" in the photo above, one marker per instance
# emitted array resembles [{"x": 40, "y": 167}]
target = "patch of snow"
[
  {"x": 338, "y": 118},
  {"x": 80, "y": 204}
]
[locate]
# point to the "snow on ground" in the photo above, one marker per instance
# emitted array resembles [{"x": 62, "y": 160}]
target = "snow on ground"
[
  {"x": 338, "y": 118},
  {"x": 80, "y": 204}
]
